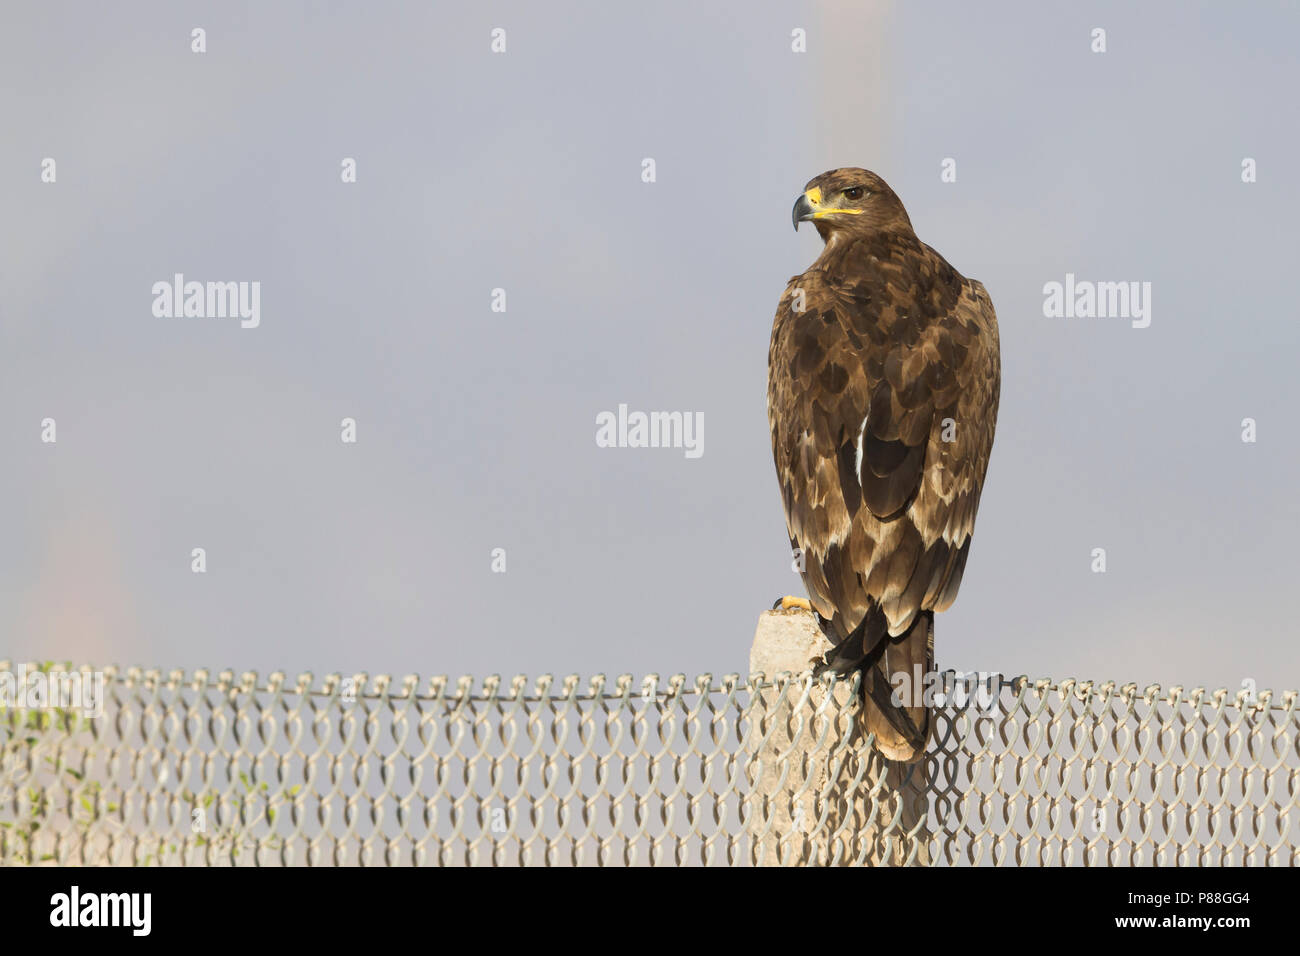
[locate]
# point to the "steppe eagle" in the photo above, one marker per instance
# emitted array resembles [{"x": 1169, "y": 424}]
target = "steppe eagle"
[{"x": 883, "y": 382}]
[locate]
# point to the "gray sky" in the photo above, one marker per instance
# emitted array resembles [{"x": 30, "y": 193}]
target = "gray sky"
[{"x": 476, "y": 429}]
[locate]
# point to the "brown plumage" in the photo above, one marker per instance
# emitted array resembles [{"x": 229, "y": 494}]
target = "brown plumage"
[{"x": 882, "y": 400}]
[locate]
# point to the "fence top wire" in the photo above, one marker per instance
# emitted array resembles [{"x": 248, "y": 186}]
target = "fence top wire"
[
  {"x": 625, "y": 686},
  {"x": 227, "y": 768}
]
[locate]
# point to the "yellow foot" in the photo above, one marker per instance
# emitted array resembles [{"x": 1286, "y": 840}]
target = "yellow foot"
[{"x": 788, "y": 602}]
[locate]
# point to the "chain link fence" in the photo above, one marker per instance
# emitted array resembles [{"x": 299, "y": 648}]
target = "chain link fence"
[{"x": 219, "y": 769}]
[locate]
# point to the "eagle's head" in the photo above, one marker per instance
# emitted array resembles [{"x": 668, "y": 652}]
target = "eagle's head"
[{"x": 850, "y": 201}]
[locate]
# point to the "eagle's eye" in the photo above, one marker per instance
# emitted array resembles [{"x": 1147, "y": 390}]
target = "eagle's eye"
[{"x": 854, "y": 193}]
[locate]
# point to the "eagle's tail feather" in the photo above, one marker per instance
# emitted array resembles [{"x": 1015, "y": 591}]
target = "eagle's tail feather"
[{"x": 902, "y": 733}]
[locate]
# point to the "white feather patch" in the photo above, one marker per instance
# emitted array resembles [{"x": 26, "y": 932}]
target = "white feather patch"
[{"x": 857, "y": 461}]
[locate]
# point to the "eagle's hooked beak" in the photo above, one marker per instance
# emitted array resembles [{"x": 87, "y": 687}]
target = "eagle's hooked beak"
[{"x": 805, "y": 207}]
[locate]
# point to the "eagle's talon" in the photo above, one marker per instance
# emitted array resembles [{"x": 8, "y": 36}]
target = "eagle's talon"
[
  {"x": 821, "y": 667},
  {"x": 788, "y": 602}
]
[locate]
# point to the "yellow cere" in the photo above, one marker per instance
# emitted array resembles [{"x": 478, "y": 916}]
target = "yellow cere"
[{"x": 814, "y": 195}]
